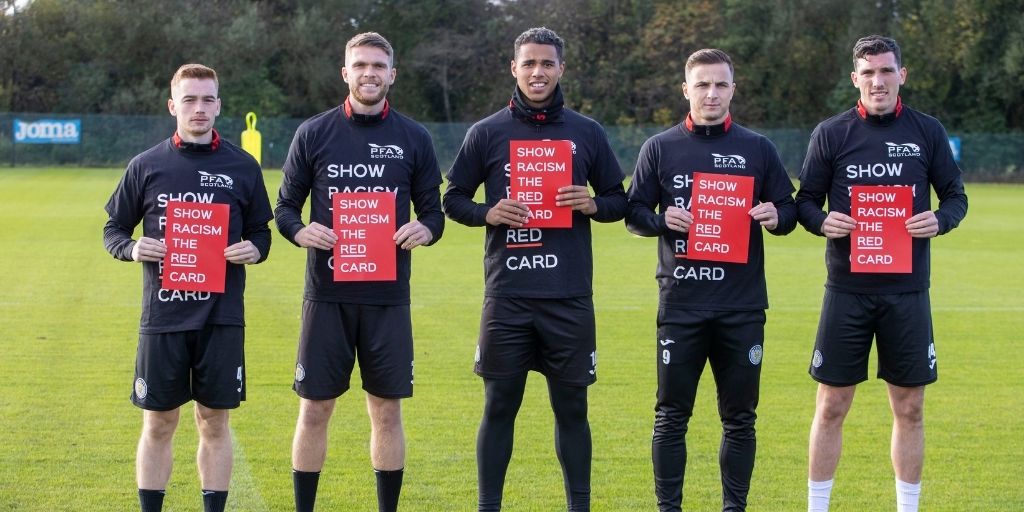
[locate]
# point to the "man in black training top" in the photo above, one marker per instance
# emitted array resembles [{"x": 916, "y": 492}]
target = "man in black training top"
[
  {"x": 707, "y": 310},
  {"x": 878, "y": 142},
  {"x": 362, "y": 145},
  {"x": 538, "y": 312},
  {"x": 190, "y": 343}
]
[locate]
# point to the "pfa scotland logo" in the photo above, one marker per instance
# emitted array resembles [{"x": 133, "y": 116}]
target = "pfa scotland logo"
[
  {"x": 903, "y": 150},
  {"x": 729, "y": 161},
  {"x": 208, "y": 179},
  {"x": 386, "y": 151}
]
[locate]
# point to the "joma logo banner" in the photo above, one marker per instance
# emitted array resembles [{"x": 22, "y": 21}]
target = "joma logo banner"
[
  {"x": 902, "y": 150},
  {"x": 48, "y": 131}
]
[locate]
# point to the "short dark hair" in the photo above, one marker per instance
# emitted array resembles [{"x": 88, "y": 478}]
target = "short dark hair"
[
  {"x": 371, "y": 39},
  {"x": 876, "y": 45},
  {"x": 540, "y": 35},
  {"x": 708, "y": 56},
  {"x": 198, "y": 71}
]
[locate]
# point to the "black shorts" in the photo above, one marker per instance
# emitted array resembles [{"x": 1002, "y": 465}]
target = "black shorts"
[
  {"x": 555, "y": 337},
  {"x": 901, "y": 324},
  {"x": 733, "y": 341},
  {"x": 207, "y": 366},
  {"x": 335, "y": 334}
]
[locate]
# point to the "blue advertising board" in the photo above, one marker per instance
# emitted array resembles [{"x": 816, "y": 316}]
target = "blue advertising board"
[{"x": 48, "y": 131}]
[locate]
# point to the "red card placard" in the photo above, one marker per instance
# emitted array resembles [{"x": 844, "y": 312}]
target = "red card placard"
[
  {"x": 880, "y": 243},
  {"x": 539, "y": 169},
  {"x": 365, "y": 225},
  {"x": 196, "y": 236},
  {"x": 721, "y": 225}
]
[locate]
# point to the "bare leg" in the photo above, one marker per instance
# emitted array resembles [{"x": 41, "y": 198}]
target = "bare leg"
[
  {"x": 214, "y": 456},
  {"x": 387, "y": 438},
  {"x": 826, "y": 442},
  {"x": 387, "y": 449},
  {"x": 154, "y": 456},
  {"x": 907, "y": 449},
  {"x": 309, "y": 446}
]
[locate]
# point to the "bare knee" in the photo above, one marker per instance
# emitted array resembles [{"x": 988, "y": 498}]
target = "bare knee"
[
  {"x": 907, "y": 405},
  {"x": 911, "y": 414},
  {"x": 159, "y": 425},
  {"x": 833, "y": 403},
  {"x": 315, "y": 414},
  {"x": 213, "y": 424},
  {"x": 385, "y": 414}
]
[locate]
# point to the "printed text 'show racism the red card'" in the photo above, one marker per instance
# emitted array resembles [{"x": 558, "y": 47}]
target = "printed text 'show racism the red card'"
[
  {"x": 365, "y": 225},
  {"x": 880, "y": 243},
  {"x": 195, "y": 236},
  {"x": 721, "y": 224},
  {"x": 539, "y": 169}
]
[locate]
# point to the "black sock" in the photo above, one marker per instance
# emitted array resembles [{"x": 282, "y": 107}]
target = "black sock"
[
  {"x": 214, "y": 501},
  {"x": 151, "y": 500},
  {"x": 502, "y": 398},
  {"x": 572, "y": 442},
  {"x": 389, "y": 486},
  {"x": 304, "y": 483}
]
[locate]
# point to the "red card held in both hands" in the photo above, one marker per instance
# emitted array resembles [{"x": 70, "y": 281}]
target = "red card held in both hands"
[
  {"x": 721, "y": 224},
  {"x": 196, "y": 235},
  {"x": 365, "y": 225},
  {"x": 538, "y": 169},
  {"x": 880, "y": 243}
]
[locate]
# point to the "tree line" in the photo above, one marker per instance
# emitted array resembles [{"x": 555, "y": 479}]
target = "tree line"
[{"x": 624, "y": 58}]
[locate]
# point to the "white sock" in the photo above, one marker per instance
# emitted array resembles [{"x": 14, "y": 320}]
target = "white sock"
[
  {"x": 907, "y": 496},
  {"x": 818, "y": 494}
]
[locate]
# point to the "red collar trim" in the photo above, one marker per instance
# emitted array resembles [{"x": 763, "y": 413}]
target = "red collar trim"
[
  {"x": 863, "y": 112},
  {"x": 383, "y": 113},
  {"x": 691, "y": 126},
  {"x": 214, "y": 144}
]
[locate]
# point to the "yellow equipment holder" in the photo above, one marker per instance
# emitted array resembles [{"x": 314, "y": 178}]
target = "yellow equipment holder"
[{"x": 252, "y": 141}]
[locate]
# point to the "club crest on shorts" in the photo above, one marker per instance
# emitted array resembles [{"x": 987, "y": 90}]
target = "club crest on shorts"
[
  {"x": 817, "y": 359},
  {"x": 755, "y": 354},
  {"x": 476, "y": 356},
  {"x": 300, "y": 372},
  {"x": 141, "y": 389}
]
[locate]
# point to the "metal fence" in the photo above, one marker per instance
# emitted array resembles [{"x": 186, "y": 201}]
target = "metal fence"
[{"x": 111, "y": 141}]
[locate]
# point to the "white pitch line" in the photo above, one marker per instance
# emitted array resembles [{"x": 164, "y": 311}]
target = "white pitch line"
[{"x": 244, "y": 494}]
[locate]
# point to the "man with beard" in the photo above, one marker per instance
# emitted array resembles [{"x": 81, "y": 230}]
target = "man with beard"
[
  {"x": 191, "y": 343},
  {"x": 362, "y": 145},
  {"x": 538, "y": 313}
]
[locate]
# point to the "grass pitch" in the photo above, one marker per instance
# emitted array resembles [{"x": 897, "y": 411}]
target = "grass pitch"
[{"x": 69, "y": 317}]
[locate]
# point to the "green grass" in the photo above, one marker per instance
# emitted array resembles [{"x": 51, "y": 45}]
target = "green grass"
[{"x": 69, "y": 317}]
